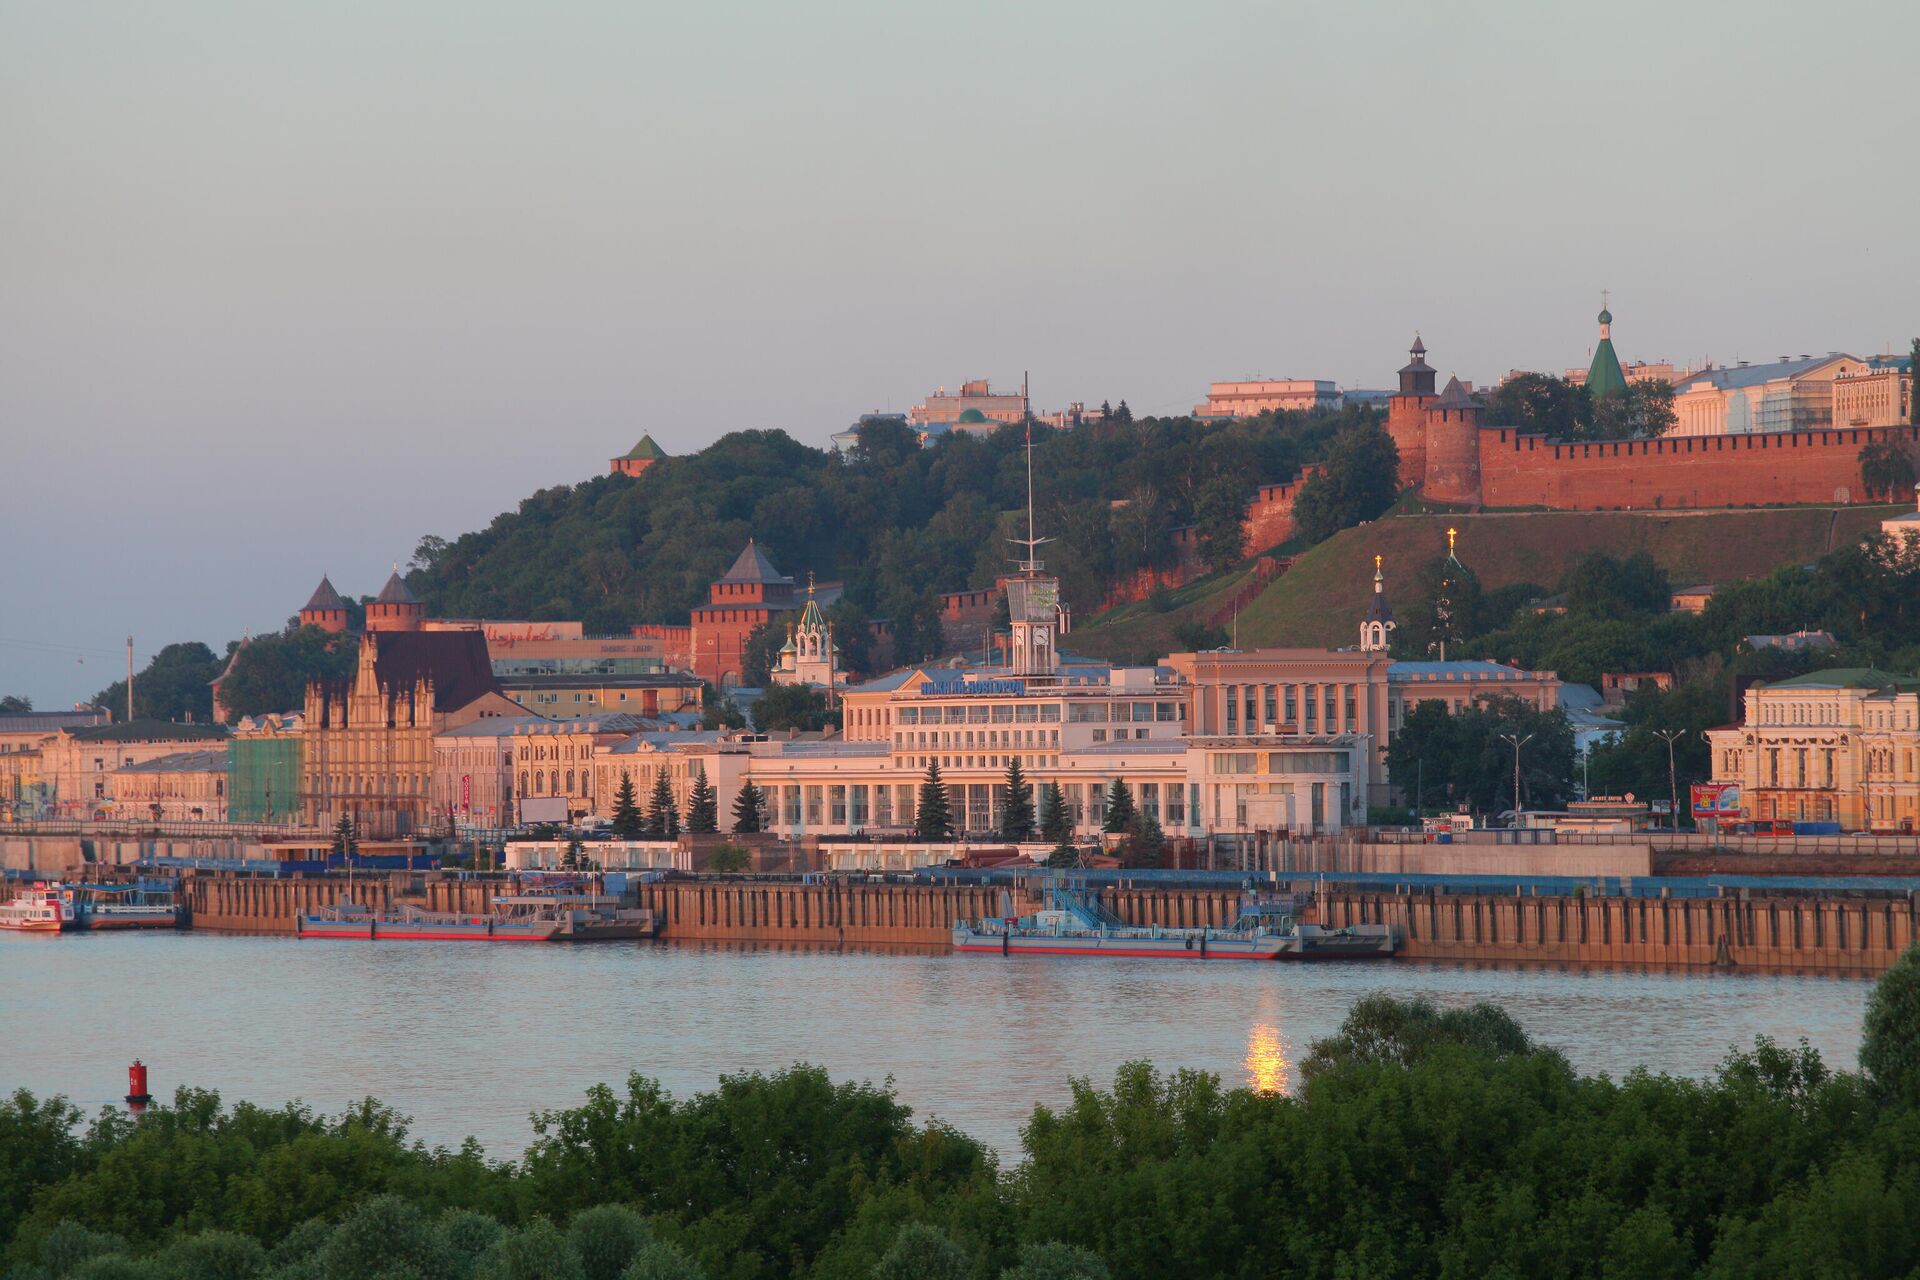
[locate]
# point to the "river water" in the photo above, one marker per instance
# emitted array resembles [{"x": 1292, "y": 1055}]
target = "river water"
[{"x": 469, "y": 1039}]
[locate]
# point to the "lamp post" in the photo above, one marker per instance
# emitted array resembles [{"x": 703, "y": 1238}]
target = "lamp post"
[
  {"x": 1518, "y": 742},
  {"x": 1671, "y": 736}
]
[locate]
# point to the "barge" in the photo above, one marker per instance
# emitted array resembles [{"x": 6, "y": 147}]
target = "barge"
[
  {"x": 1072, "y": 921},
  {"x": 532, "y": 917}
]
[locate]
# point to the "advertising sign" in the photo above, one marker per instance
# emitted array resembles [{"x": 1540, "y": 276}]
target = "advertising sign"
[{"x": 1716, "y": 800}]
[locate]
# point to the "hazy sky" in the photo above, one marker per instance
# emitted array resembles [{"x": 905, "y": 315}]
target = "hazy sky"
[{"x": 285, "y": 286}]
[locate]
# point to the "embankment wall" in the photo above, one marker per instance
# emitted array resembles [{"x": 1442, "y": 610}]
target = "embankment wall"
[{"x": 1837, "y": 935}]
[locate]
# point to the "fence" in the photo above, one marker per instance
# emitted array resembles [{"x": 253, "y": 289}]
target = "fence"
[{"x": 130, "y": 829}]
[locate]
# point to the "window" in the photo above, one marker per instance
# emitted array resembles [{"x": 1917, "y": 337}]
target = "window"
[
  {"x": 1235, "y": 762},
  {"x": 1050, "y": 714}
]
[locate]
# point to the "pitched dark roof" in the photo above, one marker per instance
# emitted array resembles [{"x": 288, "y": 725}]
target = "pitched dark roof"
[
  {"x": 395, "y": 592},
  {"x": 49, "y": 721},
  {"x": 324, "y": 599},
  {"x": 1455, "y": 397},
  {"x": 1377, "y": 610},
  {"x": 148, "y": 731},
  {"x": 456, "y": 662},
  {"x": 646, "y": 449},
  {"x": 753, "y": 566}
]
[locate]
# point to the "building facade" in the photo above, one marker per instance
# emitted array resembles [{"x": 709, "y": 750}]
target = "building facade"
[
  {"x": 369, "y": 739},
  {"x": 975, "y": 407},
  {"x": 79, "y": 765},
  {"x": 187, "y": 786},
  {"x": 1840, "y": 745},
  {"x": 1782, "y": 395},
  {"x": 1880, "y": 394},
  {"x": 1229, "y": 400}
]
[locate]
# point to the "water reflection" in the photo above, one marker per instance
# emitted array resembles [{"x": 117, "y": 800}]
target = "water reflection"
[{"x": 1266, "y": 1062}]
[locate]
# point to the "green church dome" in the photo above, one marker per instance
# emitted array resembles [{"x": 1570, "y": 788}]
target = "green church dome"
[
  {"x": 1606, "y": 316},
  {"x": 972, "y": 415}
]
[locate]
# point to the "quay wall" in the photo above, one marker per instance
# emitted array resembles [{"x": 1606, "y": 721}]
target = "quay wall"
[
  {"x": 252, "y": 904},
  {"x": 1836, "y": 935}
]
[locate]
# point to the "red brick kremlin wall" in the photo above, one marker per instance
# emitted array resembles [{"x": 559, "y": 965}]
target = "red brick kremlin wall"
[{"x": 1519, "y": 470}]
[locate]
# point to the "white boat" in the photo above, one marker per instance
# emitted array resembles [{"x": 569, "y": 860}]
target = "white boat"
[{"x": 41, "y": 909}]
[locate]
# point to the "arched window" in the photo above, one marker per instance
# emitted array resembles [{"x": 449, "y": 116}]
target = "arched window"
[
  {"x": 523, "y": 782},
  {"x": 569, "y": 782}
]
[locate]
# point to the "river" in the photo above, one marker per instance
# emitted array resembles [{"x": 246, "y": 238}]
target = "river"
[{"x": 469, "y": 1039}]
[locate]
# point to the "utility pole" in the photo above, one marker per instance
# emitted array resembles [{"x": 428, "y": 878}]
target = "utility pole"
[
  {"x": 1518, "y": 742},
  {"x": 1671, "y": 736}
]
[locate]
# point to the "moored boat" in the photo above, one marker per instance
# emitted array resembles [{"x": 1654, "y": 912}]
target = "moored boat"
[
  {"x": 43, "y": 908},
  {"x": 141, "y": 905},
  {"x": 408, "y": 923},
  {"x": 1073, "y": 921}
]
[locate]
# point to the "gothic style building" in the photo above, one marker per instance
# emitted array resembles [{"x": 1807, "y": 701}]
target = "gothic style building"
[{"x": 369, "y": 739}]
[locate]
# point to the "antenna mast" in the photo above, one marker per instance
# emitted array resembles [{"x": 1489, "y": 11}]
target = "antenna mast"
[{"x": 1030, "y": 564}]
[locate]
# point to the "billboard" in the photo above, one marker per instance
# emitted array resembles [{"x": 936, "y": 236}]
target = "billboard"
[
  {"x": 1033, "y": 599},
  {"x": 1716, "y": 799}
]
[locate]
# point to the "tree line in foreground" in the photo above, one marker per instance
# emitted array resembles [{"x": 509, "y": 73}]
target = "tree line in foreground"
[{"x": 1418, "y": 1142}]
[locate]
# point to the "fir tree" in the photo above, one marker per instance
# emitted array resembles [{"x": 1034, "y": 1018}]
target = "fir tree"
[
  {"x": 1146, "y": 844},
  {"x": 1064, "y": 855},
  {"x": 346, "y": 840},
  {"x": 933, "y": 819},
  {"x": 746, "y": 809},
  {"x": 1016, "y": 817},
  {"x": 1056, "y": 824},
  {"x": 628, "y": 821},
  {"x": 1119, "y": 808},
  {"x": 663, "y": 820},
  {"x": 703, "y": 807}
]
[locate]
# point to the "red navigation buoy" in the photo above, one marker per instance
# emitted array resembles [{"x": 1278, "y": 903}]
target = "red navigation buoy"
[{"x": 137, "y": 1096}]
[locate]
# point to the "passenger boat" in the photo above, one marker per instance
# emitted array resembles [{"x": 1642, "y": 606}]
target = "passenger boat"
[
  {"x": 142, "y": 905},
  {"x": 45, "y": 908},
  {"x": 1073, "y": 922}
]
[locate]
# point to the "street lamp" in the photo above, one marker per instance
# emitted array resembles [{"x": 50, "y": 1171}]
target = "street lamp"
[
  {"x": 1671, "y": 736},
  {"x": 1518, "y": 742}
]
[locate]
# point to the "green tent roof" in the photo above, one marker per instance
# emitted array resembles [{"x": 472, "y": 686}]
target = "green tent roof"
[
  {"x": 646, "y": 449},
  {"x": 1604, "y": 377}
]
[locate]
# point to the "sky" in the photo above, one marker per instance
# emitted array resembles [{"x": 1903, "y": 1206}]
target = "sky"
[{"x": 285, "y": 287}]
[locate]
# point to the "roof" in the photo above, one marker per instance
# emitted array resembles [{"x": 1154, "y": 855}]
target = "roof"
[
  {"x": 395, "y": 592},
  {"x": 48, "y": 721},
  {"x": 661, "y": 741},
  {"x": 324, "y": 598},
  {"x": 644, "y": 680},
  {"x": 646, "y": 449},
  {"x": 1752, "y": 375},
  {"x": 1846, "y": 678},
  {"x": 1604, "y": 375},
  {"x": 493, "y": 726},
  {"x": 148, "y": 731},
  {"x": 1455, "y": 396},
  {"x": 612, "y": 722},
  {"x": 884, "y": 684},
  {"x": 752, "y": 565},
  {"x": 1577, "y": 697},
  {"x": 456, "y": 662},
  {"x": 182, "y": 762},
  {"x": 1461, "y": 669}
]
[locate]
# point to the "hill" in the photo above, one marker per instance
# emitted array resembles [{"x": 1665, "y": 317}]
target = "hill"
[{"x": 1318, "y": 602}]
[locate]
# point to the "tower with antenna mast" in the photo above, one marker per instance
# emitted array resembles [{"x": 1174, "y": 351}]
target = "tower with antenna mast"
[{"x": 1033, "y": 595}]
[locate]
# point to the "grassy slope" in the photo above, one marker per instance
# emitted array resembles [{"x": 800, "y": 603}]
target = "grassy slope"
[
  {"x": 1319, "y": 602},
  {"x": 1137, "y": 632}
]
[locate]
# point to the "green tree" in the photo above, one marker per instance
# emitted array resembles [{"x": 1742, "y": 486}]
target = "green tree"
[
  {"x": 1463, "y": 757},
  {"x": 1220, "y": 521},
  {"x": 346, "y": 840},
  {"x": 1382, "y": 1029},
  {"x": 1195, "y": 636},
  {"x": 1540, "y": 404},
  {"x": 658, "y": 1260},
  {"x": 176, "y": 685},
  {"x": 663, "y": 817},
  {"x": 923, "y": 1252},
  {"x": 1119, "y": 808},
  {"x": 717, "y": 709},
  {"x": 606, "y": 1239},
  {"x": 1444, "y": 613},
  {"x": 1886, "y": 471},
  {"x": 933, "y": 816},
  {"x": 271, "y": 672},
  {"x": 1913, "y": 400},
  {"x": 1064, "y": 855},
  {"x": 627, "y": 821},
  {"x": 1356, "y": 483},
  {"x": 1645, "y": 411},
  {"x": 1890, "y": 1037},
  {"x": 1056, "y": 1261},
  {"x": 703, "y": 807},
  {"x": 730, "y": 858},
  {"x": 1146, "y": 844},
  {"x": 13, "y": 703},
  {"x": 1016, "y": 815},
  {"x": 536, "y": 1251},
  {"x": 748, "y": 805},
  {"x": 793, "y": 706},
  {"x": 762, "y": 655},
  {"x": 1599, "y": 585},
  {"x": 1056, "y": 822}
]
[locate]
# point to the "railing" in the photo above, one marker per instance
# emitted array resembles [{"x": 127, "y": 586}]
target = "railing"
[
  {"x": 146, "y": 829},
  {"x": 1659, "y": 841}
]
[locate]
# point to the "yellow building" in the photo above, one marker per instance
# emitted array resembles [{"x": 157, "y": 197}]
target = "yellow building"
[
  {"x": 79, "y": 766},
  {"x": 653, "y": 693},
  {"x": 1877, "y": 394},
  {"x": 187, "y": 786},
  {"x": 1840, "y": 745}
]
